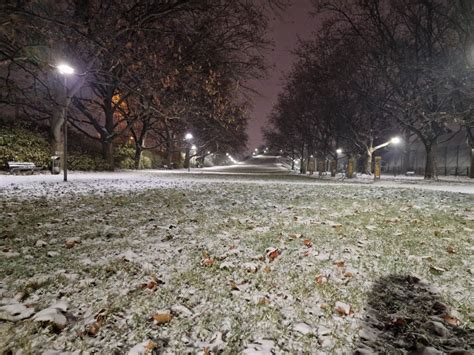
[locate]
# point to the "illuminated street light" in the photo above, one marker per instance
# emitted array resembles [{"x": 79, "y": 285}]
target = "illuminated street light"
[
  {"x": 193, "y": 147},
  {"x": 187, "y": 159},
  {"x": 65, "y": 70},
  {"x": 395, "y": 140},
  {"x": 339, "y": 151}
]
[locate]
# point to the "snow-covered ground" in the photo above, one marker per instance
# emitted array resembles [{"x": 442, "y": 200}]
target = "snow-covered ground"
[
  {"x": 208, "y": 262},
  {"x": 101, "y": 182}
]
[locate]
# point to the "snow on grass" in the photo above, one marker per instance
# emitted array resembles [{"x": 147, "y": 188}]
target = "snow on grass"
[{"x": 240, "y": 263}]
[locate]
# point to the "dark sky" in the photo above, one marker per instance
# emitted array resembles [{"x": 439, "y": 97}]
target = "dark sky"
[{"x": 294, "y": 22}]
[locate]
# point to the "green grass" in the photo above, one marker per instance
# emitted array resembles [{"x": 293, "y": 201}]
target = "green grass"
[{"x": 389, "y": 231}]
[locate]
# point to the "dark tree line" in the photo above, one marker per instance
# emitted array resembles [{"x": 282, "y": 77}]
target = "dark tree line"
[
  {"x": 375, "y": 68},
  {"x": 147, "y": 70}
]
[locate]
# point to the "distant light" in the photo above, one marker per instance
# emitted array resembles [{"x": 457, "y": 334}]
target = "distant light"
[
  {"x": 193, "y": 147},
  {"x": 208, "y": 152},
  {"x": 188, "y": 136},
  {"x": 395, "y": 140},
  {"x": 311, "y": 156},
  {"x": 339, "y": 151},
  {"x": 256, "y": 149},
  {"x": 65, "y": 69}
]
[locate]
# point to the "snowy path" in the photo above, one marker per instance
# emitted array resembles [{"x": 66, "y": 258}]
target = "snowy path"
[{"x": 101, "y": 182}]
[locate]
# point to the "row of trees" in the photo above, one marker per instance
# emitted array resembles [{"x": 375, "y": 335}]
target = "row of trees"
[
  {"x": 378, "y": 67},
  {"x": 145, "y": 70}
]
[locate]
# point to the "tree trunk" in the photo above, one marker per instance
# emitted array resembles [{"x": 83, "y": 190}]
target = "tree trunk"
[
  {"x": 302, "y": 164},
  {"x": 431, "y": 171},
  {"x": 108, "y": 154},
  {"x": 368, "y": 162},
  {"x": 138, "y": 156},
  {"x": 55, "y": 135},
  {"x": 471, "y": 168}
]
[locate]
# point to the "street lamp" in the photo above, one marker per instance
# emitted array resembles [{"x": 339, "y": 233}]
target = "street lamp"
[
  {"x": 339, "y": 151},
  {"x": 188, "y": 137},
  {"x": 65, "y": 70},
  {"x": 393, "y": 140}
]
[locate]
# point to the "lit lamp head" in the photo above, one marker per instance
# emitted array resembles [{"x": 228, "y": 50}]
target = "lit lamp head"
[
  {"x": 188, "y": 136},
  {"x": 65, "y": 69},
  {"x": 193, "y": 147},
  {"x": 395, "y": 140},
  {"x": 339, "y": 151}
]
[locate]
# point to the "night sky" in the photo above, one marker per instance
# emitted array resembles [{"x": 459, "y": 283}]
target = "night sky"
[{"x": 294, "y": 22}]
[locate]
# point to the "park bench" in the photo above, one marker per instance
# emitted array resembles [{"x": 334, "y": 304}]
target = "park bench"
[{"x": 17, "y": 166}]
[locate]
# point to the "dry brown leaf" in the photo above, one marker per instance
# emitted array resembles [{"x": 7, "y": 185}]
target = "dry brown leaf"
[
  {"x": 162, "y": 318},
  {"x": 320, "y": 279},
  {"x": 308, "y": 243},
  {"x": 208, "y": 262},
  {"x": 323, "y": 306},
  {"x": 348, "y": 274},
  {"x": 233, "y": 286},
  {"x": 273, "y": 255},
  {"x": 150, "y": 346},
  {"x": 267, "y": 269},
  {"x": 453, "y": 321},
  {"x": 342, "y": 308},
  {"x": 399, "y": 321},
  {"x": 339, "y": 263},
  {"x": 450, "y": 249},
  {"x": 206, "y": 351},
  {"x": 92, "y": 329}
]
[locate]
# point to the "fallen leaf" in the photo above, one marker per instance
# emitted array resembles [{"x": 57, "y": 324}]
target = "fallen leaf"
[
  {"x": 273, "y": 254},
  {"x": 348, "y": 274},
  {"x": 162, "y": 318},
  {"x": 92, "y": 329},
  {"x": 267, "y": 269},
  {"x": 308, "y": 243},
  {"x": 233, "y": 285},
  {"x": 399, "y": 321},
  {"x": 450, "y": 249},
  {"x": 436, "y": 269},
  {"x": 320, "y": 279},
  {"x": 453, "y": 321},
  {"x": 339, "y": 263},
  {"x": 208, "y": 262},
  {"x": 342, "y": 308}
]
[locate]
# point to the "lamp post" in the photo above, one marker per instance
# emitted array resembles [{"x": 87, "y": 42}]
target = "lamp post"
[
  {"x": 188, "y": 138},
  {"x": 378, "y": 168},
  {"x": 65, "y": 70}
]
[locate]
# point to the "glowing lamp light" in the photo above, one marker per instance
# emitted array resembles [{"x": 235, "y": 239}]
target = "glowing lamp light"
[
  {"x": 193, "y": 147},
  {"x": 65, "y": 69},
  {"x": 188, "y": 136},
  {"x": 339, "y": 151},
  {"x": 395, "y": 140}
]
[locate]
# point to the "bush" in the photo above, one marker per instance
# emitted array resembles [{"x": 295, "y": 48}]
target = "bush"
[
  {"x": 85, "y": 162},
  {"x": 20, "y": 144},
  {"x": 123, "y": 156},
  {"x": 145, "y": 162}
]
